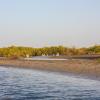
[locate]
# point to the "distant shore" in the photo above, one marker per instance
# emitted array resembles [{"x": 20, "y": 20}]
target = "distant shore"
[{"x": 77, "y": 66}]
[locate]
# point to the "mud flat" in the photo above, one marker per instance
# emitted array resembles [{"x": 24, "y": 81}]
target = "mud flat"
[{"x": 76, "y": 66}]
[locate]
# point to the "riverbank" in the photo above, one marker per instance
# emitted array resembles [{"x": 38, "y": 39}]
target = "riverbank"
[{"x": 80, "y": 67}]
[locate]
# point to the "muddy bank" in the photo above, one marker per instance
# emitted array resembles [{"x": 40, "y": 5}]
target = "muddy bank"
[{"x": 81, "y": 67}]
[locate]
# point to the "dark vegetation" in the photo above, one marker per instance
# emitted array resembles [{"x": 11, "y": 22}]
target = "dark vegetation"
[{"x": 17, "y": 52}]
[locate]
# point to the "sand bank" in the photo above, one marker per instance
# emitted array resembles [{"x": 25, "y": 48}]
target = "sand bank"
[{"x": 80, "y": 67}]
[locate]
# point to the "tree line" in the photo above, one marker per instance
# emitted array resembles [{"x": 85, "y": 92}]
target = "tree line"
[{"x": 15, "y": 51}]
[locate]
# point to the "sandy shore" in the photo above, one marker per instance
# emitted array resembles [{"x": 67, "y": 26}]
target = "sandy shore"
[{"x": 80, "y": 67}]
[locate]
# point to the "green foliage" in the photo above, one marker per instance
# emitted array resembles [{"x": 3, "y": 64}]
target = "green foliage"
[
  {"x": 95, "y": 49},
  {"x": 17, "y": 52}
]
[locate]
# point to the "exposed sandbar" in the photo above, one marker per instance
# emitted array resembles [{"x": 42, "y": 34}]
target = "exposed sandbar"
[{"x": 80, "y": 67}]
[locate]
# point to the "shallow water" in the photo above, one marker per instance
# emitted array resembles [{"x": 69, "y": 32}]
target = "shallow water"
[
  {"x": 43, "y": 58},
  {"x": 27, "y": 84}
]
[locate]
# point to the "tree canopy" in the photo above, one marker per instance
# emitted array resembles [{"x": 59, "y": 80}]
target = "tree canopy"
[{"x": 15, "y": 51}]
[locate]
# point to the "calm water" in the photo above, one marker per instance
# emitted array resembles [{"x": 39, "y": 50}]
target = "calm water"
[
  {"x": 25, "y": 84},
  {"x": 43, "y": 58}
]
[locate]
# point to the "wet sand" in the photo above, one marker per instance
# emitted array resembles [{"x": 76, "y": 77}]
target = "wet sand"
[{"x": 77, "y": 66}]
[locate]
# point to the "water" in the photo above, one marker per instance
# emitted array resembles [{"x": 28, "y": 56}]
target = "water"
[
  {"x": 43, "y": 58},
  {"x": 27, "y": 84}
]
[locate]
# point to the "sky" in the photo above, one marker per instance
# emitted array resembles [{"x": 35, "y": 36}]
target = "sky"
[{"x": 40, "y": 23}]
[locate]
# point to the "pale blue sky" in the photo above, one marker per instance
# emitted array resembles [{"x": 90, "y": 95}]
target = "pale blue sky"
[{"x": 39, "y": 23}]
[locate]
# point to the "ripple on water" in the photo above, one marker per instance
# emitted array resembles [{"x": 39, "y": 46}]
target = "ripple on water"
[{"x": 26, "y": 84}]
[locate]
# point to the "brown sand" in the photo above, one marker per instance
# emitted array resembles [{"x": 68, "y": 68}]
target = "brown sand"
[{"x": 82, "y": 67}]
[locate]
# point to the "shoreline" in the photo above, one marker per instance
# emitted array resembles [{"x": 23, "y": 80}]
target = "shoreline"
[{"x": 85, "y": 68}]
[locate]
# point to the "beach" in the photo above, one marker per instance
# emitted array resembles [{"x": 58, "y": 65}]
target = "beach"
[{"x": 73, "y": 66}]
